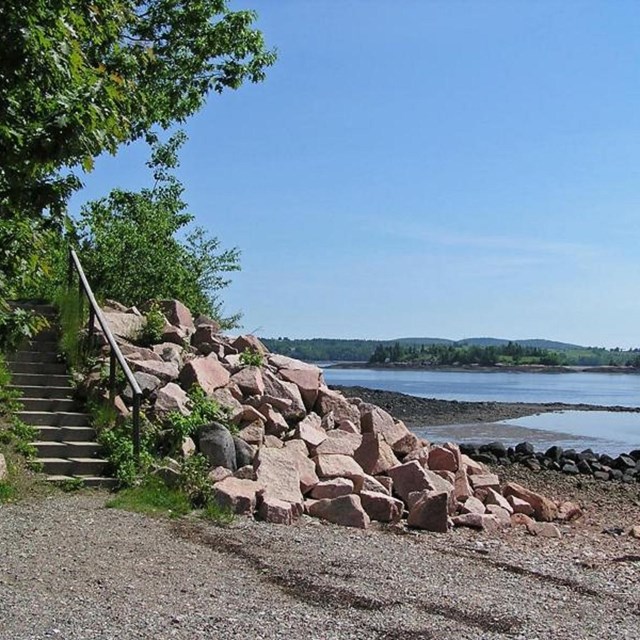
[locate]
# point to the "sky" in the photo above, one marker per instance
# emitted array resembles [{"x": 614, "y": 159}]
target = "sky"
[{"x": 444, "y": 168}]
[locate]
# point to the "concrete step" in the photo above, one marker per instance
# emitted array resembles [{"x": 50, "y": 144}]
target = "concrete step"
[
  {"x": 56, "y": 466},
  {"x": 83, "y": 449},
  {"x": 66, "y": 434},
  {"x": 51, "y": 449},
  {"x": 42, "y": 368},
  {"x": 97, "y": 482},
  {"x": 49, "y": 357},
  {"x": 51, "y": 419},
  {"x": 39, "y": 380},
  {"x": 88, "y": 466},
  {"x": 43, "y": 392},
  {"x": 57, "y": 449},
  {"x": 77, "y": 434},
  {"x": 48, "y": 404},
  {"x": 49, "y": 346},
  {"x": 47, "y": 335}
]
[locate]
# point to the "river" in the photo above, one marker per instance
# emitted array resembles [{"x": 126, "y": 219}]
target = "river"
[{"x": 606, "y": 432}]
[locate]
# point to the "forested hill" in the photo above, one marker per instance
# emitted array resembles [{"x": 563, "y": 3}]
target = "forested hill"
[{"x": 439, "y": 351}]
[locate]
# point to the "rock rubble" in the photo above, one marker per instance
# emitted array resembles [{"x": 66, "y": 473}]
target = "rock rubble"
[{"x": 304, "y": 448}]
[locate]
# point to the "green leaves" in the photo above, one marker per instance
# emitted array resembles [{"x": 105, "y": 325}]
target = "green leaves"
[{"x": 132, "y": 247}]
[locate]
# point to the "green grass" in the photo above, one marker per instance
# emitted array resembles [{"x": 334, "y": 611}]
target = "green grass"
[
  {"x": 220, "y": 515},
  {"x": 152, "y": 497},
  {"x": 8, "y": 493}
]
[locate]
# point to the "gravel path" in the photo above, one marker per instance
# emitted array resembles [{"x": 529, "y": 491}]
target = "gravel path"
[{"x": 71, "y": 569}]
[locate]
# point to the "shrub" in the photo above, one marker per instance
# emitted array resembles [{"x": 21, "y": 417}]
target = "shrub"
[
  {"x": 203, "y": 410},
  {"x": 194, "y": 480},
  {"x": 153, "y": 327},
  {"x": 251, "y": 357}
]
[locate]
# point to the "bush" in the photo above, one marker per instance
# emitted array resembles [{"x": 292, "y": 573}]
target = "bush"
[
  {"x": 251, "y": 357},
  {"x": 153, "y": 327},
  {"x": 203, "y": 411}
]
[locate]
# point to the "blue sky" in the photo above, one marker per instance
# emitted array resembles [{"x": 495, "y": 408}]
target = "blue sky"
[{"x": 417, "y": 168}]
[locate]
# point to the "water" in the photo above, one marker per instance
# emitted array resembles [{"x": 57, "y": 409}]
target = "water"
[
  {"x": 603, "y": 431},
  {"x": 604, "y": 389}
]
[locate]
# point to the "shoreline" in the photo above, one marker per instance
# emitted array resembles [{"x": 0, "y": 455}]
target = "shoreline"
[
  {"x": 420, "y": 412},
  {"x": 522, "y": 368}
]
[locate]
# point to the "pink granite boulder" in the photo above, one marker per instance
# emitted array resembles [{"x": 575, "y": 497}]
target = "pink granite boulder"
[
  {"x": 346, "y": 511},
  {"x": 430, "y": 512},
  {"x": 207, "y": 373}
]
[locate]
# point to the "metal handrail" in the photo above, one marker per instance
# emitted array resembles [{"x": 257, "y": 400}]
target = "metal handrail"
[{"x": 115, "y": 355}]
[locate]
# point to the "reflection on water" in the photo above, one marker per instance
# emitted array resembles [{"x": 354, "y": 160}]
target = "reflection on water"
[{"x": 603, "y": 431}]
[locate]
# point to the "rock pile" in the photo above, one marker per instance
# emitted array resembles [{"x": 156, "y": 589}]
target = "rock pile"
[
  {"x": 300, "y": 447},
  {"x": 625, "y": 467}
]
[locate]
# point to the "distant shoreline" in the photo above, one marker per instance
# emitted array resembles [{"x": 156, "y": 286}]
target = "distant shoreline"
[{"x": 522, "y": 368}]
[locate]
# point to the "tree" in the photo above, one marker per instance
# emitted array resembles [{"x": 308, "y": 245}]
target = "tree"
[
  {"x": 131, "y": 248},
  {"x": 80, "y": 78}
]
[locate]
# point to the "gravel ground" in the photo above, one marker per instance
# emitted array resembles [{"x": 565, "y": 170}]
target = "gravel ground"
[{"x": 72, "y": 569}]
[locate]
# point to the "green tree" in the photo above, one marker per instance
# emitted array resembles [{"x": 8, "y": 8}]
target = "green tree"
[
  {"x": 78, "y": 79},
  {"x": 81, "y": 78},
  {"x": 131, "y": 246}
]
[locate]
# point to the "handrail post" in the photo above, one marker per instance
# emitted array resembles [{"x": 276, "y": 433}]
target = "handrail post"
[
  {"x": 136, "y": 428},
  {"x": 112, "y": 375}
]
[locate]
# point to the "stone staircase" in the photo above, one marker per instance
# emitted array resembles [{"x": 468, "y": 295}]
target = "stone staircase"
[{"x": 66, "y": 444}]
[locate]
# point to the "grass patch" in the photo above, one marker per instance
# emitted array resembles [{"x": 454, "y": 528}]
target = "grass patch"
[
  {"x": 7, "y": 492},
  {"x": 21, "y": 482},
  {"x": 152, "y": 497},
  {"x": 217, "y": 514}
]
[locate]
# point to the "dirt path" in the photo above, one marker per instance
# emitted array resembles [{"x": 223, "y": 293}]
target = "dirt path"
[{"x": 71, "y": 569}]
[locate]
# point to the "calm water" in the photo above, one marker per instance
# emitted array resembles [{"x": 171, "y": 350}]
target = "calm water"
[
  {"x": 604, "y": 389},
  {"x": 603, "y": 431}
]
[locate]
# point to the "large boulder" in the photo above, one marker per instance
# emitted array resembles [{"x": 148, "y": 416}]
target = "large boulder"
[
  {"x": 287, "y": 391},
  {"x": 337, "y": 466},
  {"x": 333, "y": 488},
  {"x": 237, "y": 495},
  {"x": 305, "y": 376},
  {"x": 249, "y": 379},
  {"x": 543, "y": 508},
  {"x": 374, "y": 455},
  {"x": 332, "y": 401},
  {"x": 170, "y": 398},
  {"x": 345, "y": 510},
  {"x": 373, "y": 419},
  {"x": 275, "y": 423},
  {"x": 309, "y": 430},
  {"x": 123, "y": 325},
  {"x": 430, "y": 512},
  {"x": 165, "y": 371},
  {"x": 443, "y": 459},
  {"x": 339, "y": 442},
  {"x": 381, "y": 507},
  {"x": 409, "y": 477},
  {"x": 177, "y": 314},
  {"x": 249, "y": 342},
  {"x": 297, "y": 452},
  {"x": 216, "y": 443},
  {"x": 207, "y": 373},
  {"x": 278, "y": 511},
  {"x": 244, "y": 452},
  {"x": 253, "y": 433},
  {"x": 277, "y": 473},
  {"x": 147, "y": 383}
]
